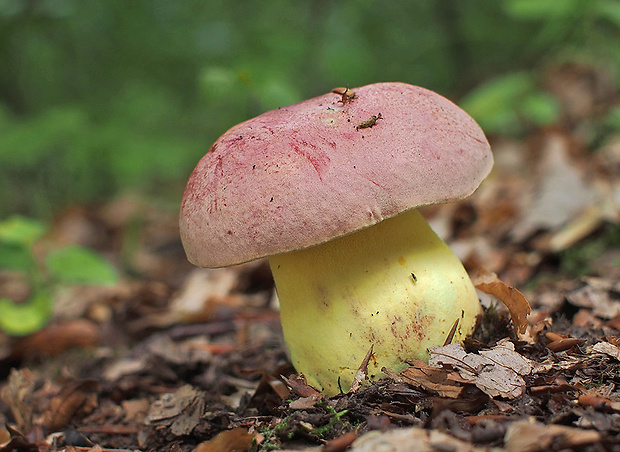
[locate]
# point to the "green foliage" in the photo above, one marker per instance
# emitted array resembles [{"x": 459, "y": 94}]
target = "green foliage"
[
  {"x": 507, "y": 104},
  {"x": 19, "y": 230},
  {"x": 98, "y": 98},
  {"x": 65, "y": 266},
  {"x": 78, "y": 265},
  {"x": 333, "y": 421},
  {"x": 290, "y": 426},
  {"x": 25, "y": 318}
]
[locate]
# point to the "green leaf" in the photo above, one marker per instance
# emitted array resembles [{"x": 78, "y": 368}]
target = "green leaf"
[
  {"x": 537, "y": 9},
  {"x": 541, "y": 108},
  {"x": 494, "y": 103},
  {"x": 25, "y": 318},
  {"x": 612, "y": 119},
  {"x": 78, "y": 265},
  {"x": 19, "y": 230},
  {"x": 15, "y": 257},
  {"x": 609, "y": 9}
]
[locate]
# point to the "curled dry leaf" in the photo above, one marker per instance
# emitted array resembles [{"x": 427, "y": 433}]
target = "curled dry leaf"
[
  {"x": 445, "y": 382},
  {"x": 298, "y": 385},
  {"x": 564, "y": 344},
  {"x": 496, "y": 372},
  {"x": 360, "y": 375},
  {"x": 235, "y": 440},
  {"x": 599, "y": 403},
  {"x": 514, "y": 300}
]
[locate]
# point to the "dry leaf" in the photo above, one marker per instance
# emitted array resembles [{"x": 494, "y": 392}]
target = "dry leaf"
[
  {"x": 497, "y": 372},
  {"x": 446, "y": 383},
  {"x": 598, "y": 295},
  {"x": 577, "y": 229},
  {"x": 412, "y": 439},
  {"x": 564, "y": 344},
  {"x": 304, "y": 403},
  {"x": 514, "y": 300},
  {"x": 135, "y": 410},
  {"x": 181, "y": 410},
  {"x": 532, "y": 436},
  {"x": 607, "y": 349},
  {"x": 561, "y": 193},
  {"x": 75, "y": 398},
  {"x": 341, "y": 443},
  {"x": 16, "y": 394},
  {"x": 235, "y": 440},
  {"x": 360, "y": 375},
  {"x": 57, "y": 338},
  {"x": 20, "y": 443},
  {"x": 298, "y": 385},
  {"x": 599, "y": 403}
]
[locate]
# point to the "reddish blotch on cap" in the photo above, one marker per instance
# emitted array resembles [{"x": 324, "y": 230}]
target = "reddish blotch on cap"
[{"x": 304, "y": 174}]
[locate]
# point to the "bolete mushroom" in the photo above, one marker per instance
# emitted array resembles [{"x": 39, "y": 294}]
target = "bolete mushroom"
[{"x": 328, "y": 189}]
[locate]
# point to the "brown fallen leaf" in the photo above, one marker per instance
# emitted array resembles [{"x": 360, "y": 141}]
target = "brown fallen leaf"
[
  {"x": 599, "y": 403},
  {"x": 303, "y": 403},
  {"x": 298, "y": 385},
  {"x": 5, "y": 436},
  {"x": 57, "y": 338},
  {"x": 341, "y": 443},
  {"x": 78, "y": 397},
  {"x": 562, "y": 190},
  {"x": 16, "y": 394},
  {"x": 514, "y": 300},
  {"x": 564, "y": 344},
  {"x": 19, "y": 443},
  {"x": 181, "y": 410},
  {"x": 532, "y": 436},
  {"x": 597, "y": 294},
  {"x": 235, "y": 440},
  {"x": 607, "y": 349},
  {"x": 497, "y": 372},
  {"x": 446, "y": 383},
  {"x": 412, "y": 439}
]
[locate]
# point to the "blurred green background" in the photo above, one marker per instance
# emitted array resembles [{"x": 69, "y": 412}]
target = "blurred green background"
[{"x": 102, "y": 98}]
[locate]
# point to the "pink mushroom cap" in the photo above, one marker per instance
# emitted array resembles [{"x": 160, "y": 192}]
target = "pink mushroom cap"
[{"x": 305, "y": 174}]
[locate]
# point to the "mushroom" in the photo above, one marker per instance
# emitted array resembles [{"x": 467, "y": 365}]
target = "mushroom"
[{"x": 329, "y": 191}]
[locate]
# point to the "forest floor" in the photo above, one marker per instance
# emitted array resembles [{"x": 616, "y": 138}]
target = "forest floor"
[{"x": 179, "y": 358}]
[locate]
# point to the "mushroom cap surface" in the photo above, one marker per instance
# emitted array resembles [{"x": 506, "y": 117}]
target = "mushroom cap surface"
[{"x": 302, "y": 175}]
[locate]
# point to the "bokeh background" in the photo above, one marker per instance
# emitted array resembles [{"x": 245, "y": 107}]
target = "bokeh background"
[{"x": 103, "y": 98}]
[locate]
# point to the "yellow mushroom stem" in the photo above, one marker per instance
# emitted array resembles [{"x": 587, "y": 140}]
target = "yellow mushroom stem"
[{"x": 395, "y": 286}]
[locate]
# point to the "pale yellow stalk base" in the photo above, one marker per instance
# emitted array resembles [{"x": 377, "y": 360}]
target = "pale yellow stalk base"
[{"x": 395, "y": 286}]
